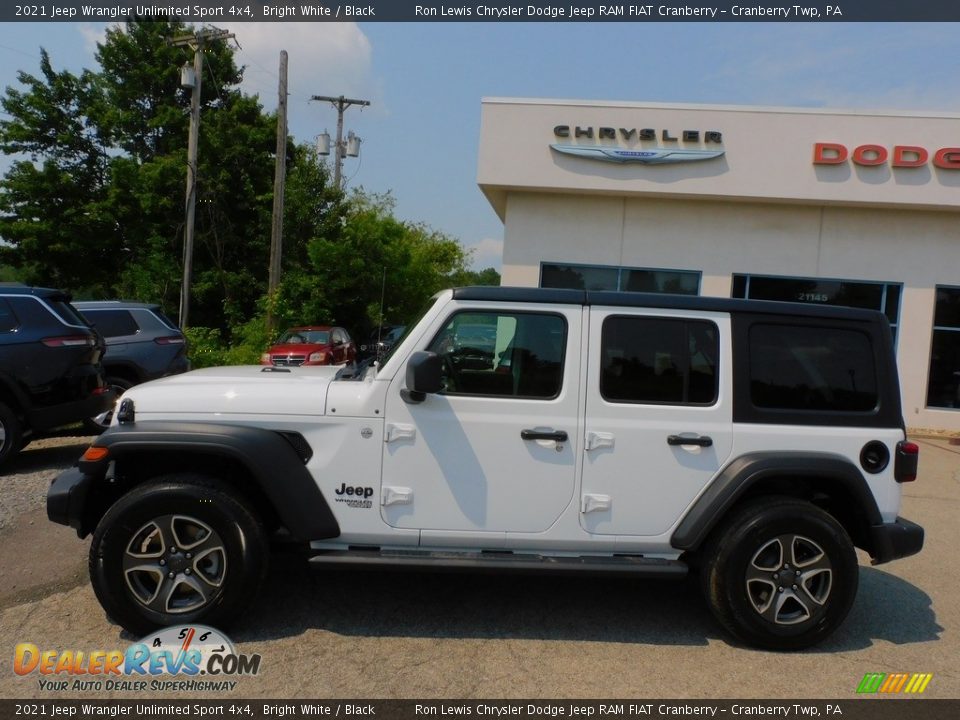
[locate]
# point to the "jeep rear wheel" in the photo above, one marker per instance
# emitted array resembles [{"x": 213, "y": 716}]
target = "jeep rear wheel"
[
  {"x": 780, "y": 574},
  {"x": 11, "y": 439},
  {"x": 178, "y": 549}
]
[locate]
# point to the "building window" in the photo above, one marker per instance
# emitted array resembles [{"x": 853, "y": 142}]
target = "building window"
[
  {"x": 626, "y": 279},
  {"x": 943, "y": 385},
  {"x": 659, "y": 360},
  {"x": 882, "y": 296}
]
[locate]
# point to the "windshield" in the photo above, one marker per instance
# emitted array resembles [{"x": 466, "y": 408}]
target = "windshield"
[{"x": 296, "y": 337}]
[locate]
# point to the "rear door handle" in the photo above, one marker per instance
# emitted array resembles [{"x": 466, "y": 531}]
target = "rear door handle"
[
  {"x": 701, "y": 440},
  {"x": 555, "y": 435}
]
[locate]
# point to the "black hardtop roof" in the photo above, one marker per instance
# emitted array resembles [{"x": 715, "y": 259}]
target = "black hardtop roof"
[
  {"x": 611, "y": 298},
  {"x": 14, "y": 288}
]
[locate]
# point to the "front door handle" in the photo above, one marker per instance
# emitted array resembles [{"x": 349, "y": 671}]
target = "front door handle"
[
  {"x": 701, "y": 440},
  {"x": 555, "y": 435}
]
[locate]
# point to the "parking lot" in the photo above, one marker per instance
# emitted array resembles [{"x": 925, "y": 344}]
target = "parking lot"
[{"x": 352, "y": 634}]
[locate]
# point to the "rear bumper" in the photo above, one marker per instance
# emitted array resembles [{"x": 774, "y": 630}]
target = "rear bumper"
[
  {"x": 898, "y": 539},
  {"x": 46, "y": 418},
  {"x": 66, "y": 497}
]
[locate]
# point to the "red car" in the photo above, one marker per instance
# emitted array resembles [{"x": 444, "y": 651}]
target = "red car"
[{"x": 311, "y": 345}]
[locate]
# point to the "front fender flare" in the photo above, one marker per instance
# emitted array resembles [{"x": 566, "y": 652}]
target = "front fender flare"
[{"x": 271, "y": 460}]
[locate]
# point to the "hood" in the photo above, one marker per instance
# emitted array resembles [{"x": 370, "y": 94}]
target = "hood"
[{"x": 247, "y": 390}]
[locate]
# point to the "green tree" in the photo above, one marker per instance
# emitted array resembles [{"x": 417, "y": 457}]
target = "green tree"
[
  {"x": 370, "y": 253},
  {"x": 97, "y": 207},
  {"x": 52, "y": 211}
]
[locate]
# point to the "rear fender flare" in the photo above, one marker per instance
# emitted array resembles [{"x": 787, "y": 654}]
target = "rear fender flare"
[{"x": 748, "y": 471}]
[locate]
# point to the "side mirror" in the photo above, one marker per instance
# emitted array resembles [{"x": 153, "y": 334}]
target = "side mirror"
[{"x": 424, "y": 375}]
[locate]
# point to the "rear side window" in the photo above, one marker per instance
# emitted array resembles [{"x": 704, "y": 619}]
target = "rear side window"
[
  {"x": 113, "y": 323},
  {"x": 659, "y": 360},
  {"x": 812, "y": 368},
  {"x": 8, "y": 321}
]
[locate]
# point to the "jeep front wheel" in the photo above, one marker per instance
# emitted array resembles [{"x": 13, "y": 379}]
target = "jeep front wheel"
[
  {"x": 780, "y": 574},
  {"x": 178, "y": 549}
]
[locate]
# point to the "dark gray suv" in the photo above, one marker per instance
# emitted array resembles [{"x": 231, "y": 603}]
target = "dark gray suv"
[
  {"x": 142, "y": 344},
  {"x": 49, "y": 365}
]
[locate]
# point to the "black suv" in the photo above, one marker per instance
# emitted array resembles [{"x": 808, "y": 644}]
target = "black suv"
[
  {"x": 49, "y": 365},
  {"x": 142, "y": 344}
]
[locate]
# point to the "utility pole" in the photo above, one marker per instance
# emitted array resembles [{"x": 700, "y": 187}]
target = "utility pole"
[
  {"x": 341, "y": 104},
  {"x": 196, "y": 42},
  {"x": 279, "y": 187}
]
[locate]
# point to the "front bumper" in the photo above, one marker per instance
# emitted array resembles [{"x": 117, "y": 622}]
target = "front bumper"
[
  {"x": 66, "y": 498},
  {"x": 898, "y": 539}
]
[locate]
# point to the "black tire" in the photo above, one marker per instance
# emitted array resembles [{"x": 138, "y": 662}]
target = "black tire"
[
  {"x": 11, "y": 434},
  {"x": 189, "y": 526},
  {"x": 98, "y": 423},
  {"x": 760, "y": 549}
]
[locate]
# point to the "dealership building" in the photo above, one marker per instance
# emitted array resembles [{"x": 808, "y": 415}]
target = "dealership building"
[{"x": 815, "y": 206}]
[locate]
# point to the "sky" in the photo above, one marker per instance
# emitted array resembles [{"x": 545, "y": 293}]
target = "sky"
[{"x": 425, "y": 83}]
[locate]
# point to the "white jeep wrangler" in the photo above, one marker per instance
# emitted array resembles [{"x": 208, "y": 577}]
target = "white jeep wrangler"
[{"x": 528, "y": 430}]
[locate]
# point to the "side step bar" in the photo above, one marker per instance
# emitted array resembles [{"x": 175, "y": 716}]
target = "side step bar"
[{"x": 630, "y": 565}]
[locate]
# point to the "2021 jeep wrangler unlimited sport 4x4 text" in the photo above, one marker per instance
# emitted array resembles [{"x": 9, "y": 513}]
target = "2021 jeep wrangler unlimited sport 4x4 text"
[{"x": 522, "y": 429}]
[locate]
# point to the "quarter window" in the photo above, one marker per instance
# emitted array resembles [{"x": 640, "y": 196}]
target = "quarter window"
[
  {"x": 113, "y": 323},
  {"x": 502, "y": 354},
  {"x": 8, "y": 321},
  {"x": 659, "y": 360},
  {"x": 811, "y": 368}
]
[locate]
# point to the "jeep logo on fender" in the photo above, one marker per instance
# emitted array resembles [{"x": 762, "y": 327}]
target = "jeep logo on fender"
[
  {"x": 358, "y": 491},
  {"x": 901, "y": 156}
]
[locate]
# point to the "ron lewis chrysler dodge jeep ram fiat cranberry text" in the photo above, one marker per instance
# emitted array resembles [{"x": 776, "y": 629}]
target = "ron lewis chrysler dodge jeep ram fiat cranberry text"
[{"x": 522, "y": 429}]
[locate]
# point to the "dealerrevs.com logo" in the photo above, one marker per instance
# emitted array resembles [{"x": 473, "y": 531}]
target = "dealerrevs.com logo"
[{"x": 178, "y": 658}]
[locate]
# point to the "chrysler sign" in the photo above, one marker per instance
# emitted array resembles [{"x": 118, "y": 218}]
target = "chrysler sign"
[{"x": 647, "y": 156}]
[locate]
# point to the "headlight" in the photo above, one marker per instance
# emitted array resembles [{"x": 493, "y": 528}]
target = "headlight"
[{"x": 317, "y": 357}]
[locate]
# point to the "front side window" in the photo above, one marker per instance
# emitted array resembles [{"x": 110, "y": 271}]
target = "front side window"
[
  {"x": 502, "y": 354},
  {"x": 943, "y": 388},
  {"x": 659, "y": 360},
  {"x": 812, "y": 368}
]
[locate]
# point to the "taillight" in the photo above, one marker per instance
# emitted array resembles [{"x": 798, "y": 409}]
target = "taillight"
[
  {"x": 172, "y": 340},
  {"x": 908, "y": 456},
  {"x": 69, "y": 341}
]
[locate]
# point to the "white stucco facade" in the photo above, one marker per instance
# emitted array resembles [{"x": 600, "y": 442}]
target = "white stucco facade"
[{"x": 779, "y": 201}]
